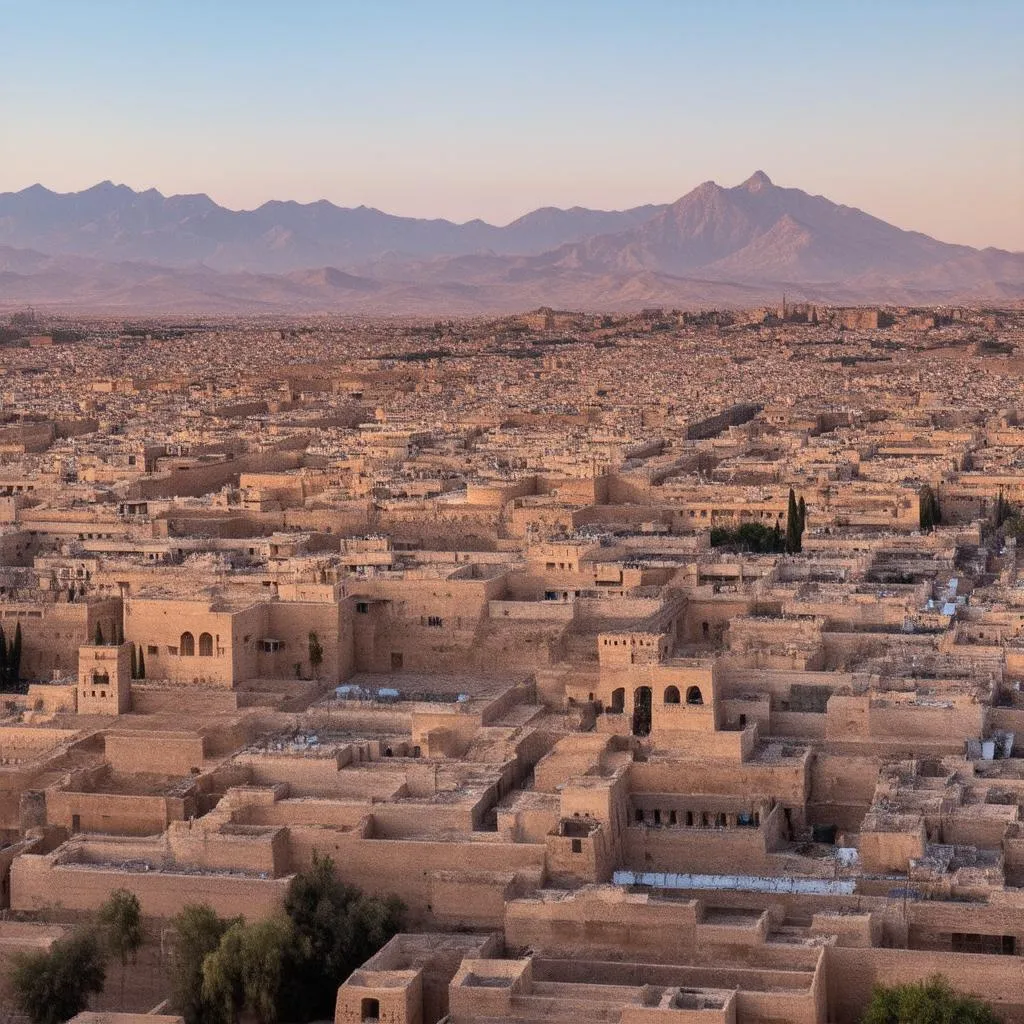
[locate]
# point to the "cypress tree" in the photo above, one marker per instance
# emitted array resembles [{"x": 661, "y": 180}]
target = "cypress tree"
[
  {"x": 802, "y": 510},
  {"x": 142, "y": 663},
  {"x": 15, "y": 656},
  {"x": 792, "y": 525},
  {"x": 98, "y": 638},
  {"x": 135, "y": 664},
  {"x": 926, "y": 508}
]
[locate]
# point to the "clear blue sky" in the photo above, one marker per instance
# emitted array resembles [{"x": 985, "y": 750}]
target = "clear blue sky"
[{"x": 910, "y": 109}]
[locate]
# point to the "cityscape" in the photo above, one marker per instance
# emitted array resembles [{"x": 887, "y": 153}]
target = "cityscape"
[{"x": 608, "y": 613}]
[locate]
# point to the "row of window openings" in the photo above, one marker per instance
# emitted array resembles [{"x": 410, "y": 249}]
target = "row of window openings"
[
  {"x": 187, "y": 646},
  {"x": 671, "y": 696},
  {"x": 98, "y": 679},
  {"x": 696, "y": 819},
  {"x": 434, "y": 621},
  {"x": 719, "y": 514}
]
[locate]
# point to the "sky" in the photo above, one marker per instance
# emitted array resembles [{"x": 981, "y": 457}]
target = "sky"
[{"x": 910, "y": 109}]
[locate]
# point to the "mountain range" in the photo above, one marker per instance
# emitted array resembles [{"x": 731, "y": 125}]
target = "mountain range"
[{"x": 112, "y": 248}]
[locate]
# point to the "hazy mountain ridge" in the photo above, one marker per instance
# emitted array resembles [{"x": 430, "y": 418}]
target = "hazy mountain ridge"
[
  {"x": 110, "y": 247},
  {"x": 113, "y": 222}
]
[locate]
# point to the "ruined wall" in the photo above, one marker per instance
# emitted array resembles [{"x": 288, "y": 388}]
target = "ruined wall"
[{"x": 37, "y": 884}]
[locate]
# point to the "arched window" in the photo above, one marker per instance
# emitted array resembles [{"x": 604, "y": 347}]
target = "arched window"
[
  {"x": 694, "y": 696},
  {"x": 100, "y": 679},
  {"x": 671, "y": 694},
  {"x": 187, "y": 645},
  {"x": 205, "y": 645}
]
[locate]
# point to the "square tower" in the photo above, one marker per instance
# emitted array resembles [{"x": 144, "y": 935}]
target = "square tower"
[
  {"x": 104, "y": 679},
  {"x": 381, "y": 997}
]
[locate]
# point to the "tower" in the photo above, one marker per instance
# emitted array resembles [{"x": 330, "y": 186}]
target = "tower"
[{"x": 104, "y": 679}]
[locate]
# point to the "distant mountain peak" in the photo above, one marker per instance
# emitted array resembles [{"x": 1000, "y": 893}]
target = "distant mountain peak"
[
  {"x": 757, "y": 181},
  {"x": 739, "y": 243}
]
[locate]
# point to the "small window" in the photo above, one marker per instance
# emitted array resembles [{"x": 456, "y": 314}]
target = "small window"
[
  {"x": 362, "y": 607},
  {"x": 435, "y": 620},
  {"x": 577, "y": 846},
  {"x": 639, "y": 815},
  {"x": 152, "y": 649},
  {"x": 369, "y": 1010}
]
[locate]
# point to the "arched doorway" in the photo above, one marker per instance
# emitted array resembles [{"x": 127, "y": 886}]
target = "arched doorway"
[{"x": 694, "y": 696}]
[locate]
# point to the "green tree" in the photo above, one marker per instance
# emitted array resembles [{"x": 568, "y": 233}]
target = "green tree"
[
  {"x": 926, "y": 1002},
  {"x": 316, "y": 654},
  {"x": 929, "y": 514},
  {"x": 245, "y": 971},
  {"x": 120, "y": 921},
  {"x": 801, "y": 509},
  {"x": 338, "y": 928},
  {"x": 754, "y": 537},
  {"x": 197, "y": 932},
  {"x": 1002, "y": 511},
  {"x": 14, "y": 656},
  {"x": 792, "y": 525},
  {"x": 98, "y": 635},
  {"x": 51, "y": 987}
]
